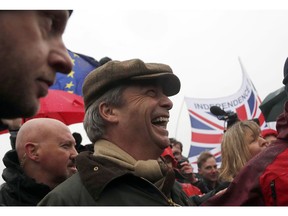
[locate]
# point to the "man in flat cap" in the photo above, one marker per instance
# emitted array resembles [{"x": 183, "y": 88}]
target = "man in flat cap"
[
  {"x": 263, "y": 180},
  {"x": 127, "y": 111}
]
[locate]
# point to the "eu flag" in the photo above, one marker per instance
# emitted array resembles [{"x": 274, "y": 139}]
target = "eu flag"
[{"x": 72, "y": 82}]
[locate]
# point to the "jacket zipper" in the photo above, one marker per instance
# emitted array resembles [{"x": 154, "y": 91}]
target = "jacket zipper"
[
  {"x": 273, "y": 192},
  {"x": 169, "y": 200}
]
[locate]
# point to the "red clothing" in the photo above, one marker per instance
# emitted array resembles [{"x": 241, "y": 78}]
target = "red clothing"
[
  {"x": 264, "y": 179},
  {"x": 190, "y": 189}
]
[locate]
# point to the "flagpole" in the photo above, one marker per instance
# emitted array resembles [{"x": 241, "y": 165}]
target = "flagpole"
[{"x": 181, "y": 109}]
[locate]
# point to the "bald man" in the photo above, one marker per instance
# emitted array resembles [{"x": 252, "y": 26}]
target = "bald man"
[{"x": 43, "y": 158}]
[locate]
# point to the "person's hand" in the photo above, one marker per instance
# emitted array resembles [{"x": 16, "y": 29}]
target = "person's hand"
[
  {"x": 186, "y": 170},
  {"x": 221, "y": 191},
  {"x": 186, "y": 167}
]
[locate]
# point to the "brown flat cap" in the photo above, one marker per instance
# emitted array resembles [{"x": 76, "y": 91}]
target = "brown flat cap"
[{"x": 113, "y": 73}]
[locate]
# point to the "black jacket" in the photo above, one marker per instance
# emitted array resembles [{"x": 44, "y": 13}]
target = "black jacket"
[
  {"x": 205, "y": 186},
  {"x": 19, "y": 189}
]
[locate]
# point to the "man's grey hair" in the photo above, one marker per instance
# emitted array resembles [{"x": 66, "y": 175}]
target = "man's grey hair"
[{"x": 94, "y": 124}]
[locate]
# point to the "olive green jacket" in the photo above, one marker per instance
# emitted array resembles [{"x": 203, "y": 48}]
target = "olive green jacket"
[{"x": 100, "y": 182}]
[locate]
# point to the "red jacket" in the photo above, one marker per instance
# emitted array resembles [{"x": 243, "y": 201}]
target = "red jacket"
[
  {"x": 264, "y": 179},
  {"x": 190, "y": 189}
]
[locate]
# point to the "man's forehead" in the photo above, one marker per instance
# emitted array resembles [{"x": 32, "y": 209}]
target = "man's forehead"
[
  {"x": 176, "y": 147},
  {"x": 209, "y": 162}
]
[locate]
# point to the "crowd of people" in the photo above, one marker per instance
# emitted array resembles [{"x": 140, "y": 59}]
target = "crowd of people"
[{"x": 131, "y": 160}]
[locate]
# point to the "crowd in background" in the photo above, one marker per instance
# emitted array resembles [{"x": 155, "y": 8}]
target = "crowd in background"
[{"x": 131, "y": 160}]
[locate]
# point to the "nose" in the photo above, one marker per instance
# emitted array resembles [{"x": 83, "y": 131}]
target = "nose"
[
  {"x": 214, "y": 169},
  {"x": 59, "y": 59},
  {"x": 73, "y": 155},
  {"x": 73, "y": 152},
  {"x": 263, "y": 142},
  {"x": 166, "y": 102}
]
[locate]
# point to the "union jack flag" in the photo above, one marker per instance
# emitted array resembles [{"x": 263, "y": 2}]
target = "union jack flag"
[{"x": 207, "y": 129}]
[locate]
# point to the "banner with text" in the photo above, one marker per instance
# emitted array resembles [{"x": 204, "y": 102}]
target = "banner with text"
[{"x": 207, "y": 129}]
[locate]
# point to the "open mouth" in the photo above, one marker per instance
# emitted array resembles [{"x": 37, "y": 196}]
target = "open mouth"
[{"x": 160, "y": 121}]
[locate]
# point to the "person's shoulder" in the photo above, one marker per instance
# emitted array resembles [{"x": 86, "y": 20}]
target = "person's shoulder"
[
  {"x": 66, "y": 193},
  {"x": 4, "y": 186},
  {"x": 72, "y": 182}
]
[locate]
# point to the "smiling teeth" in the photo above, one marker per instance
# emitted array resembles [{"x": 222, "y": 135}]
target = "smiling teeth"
[{"x": 161, "y": 119}]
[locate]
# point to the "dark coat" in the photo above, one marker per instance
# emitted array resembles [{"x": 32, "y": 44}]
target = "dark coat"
[
  {"x": 19, "y": 189},
  {"x": 100, "y": 182},
  {"x": 264, "y": 179}
]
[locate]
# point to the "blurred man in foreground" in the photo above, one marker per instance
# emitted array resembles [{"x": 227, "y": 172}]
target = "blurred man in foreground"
[{"x": 31, "y": 51}]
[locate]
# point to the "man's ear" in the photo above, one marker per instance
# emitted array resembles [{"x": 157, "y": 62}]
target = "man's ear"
[
  {"x": 31, "y": 150},
  {"x": 108, "y": 112}
]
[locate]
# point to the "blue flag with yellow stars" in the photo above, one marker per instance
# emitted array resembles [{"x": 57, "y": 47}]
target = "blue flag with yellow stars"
[{"x": 72, "y": 82}]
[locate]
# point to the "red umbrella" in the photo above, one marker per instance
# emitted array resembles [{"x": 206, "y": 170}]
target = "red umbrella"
[{"x": 64, "y": 106}]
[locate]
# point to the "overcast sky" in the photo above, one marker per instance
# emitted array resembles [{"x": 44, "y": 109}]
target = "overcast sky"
[{"x": 202, "y": 45}]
